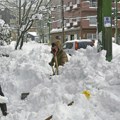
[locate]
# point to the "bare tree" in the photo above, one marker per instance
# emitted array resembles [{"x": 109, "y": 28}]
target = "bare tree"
[
  {"x": 31, "y": 11},
  {"x": 26, "y": 14},
  {"x": 5, "y": 33}
]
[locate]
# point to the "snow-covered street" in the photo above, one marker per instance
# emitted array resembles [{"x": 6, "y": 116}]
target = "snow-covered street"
[{"x": 27, "y": 70}]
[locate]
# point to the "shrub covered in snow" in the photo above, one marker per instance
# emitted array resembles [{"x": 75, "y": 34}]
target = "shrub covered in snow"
[{"x": 5, "y": 33}]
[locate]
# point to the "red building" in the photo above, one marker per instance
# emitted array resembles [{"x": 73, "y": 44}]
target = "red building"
[{"x": 79, "y": 20}]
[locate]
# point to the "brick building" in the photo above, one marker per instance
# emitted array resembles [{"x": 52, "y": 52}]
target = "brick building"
[{"x": 79, "y": 20}]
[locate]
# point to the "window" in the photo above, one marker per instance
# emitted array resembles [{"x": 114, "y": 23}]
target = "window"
[
  {"x": 91, "y": 36},
  {"x": 67, "y": 37},
  {"x": 93, "y": 20},
  {"x": 72, "y": 37},
  {"x": 69, "y": 3},
  {"x": 93, "y": 3},
  {"x": 68, "y": 45},
  {"x": 75, "y": 36},
  {"x": 76, "y": 1},
  {"x": 85, "y": 44},
  {"x": 58, "y": 24}
]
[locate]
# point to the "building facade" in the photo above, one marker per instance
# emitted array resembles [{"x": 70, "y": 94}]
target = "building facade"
[{"x": 79, "y": 20}]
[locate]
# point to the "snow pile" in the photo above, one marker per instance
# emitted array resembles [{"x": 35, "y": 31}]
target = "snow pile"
[
  {"x": 28, "y": 71},
  {"x": 3, "y": 99}
]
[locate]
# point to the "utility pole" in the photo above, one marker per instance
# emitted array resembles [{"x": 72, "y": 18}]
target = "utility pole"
[
  {"x": 100, "y": 23},
  {"x": 49, "y": 25},
  {"x": 105, "y": 26},
  {"x": 116, "y": 22},
  {"x": 62, "y": 16},
  {"x": 19, "y": 12},
  {"x": 19, "y": 17},
  {"x": 49, "y": 22}
]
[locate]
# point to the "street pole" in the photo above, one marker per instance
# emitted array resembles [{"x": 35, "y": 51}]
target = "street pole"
[
  {"x": 116, "y": 22},
  {"x": 49, "y": 24},
  {"x": 19, "y": 12},
  {"x": 62, "y": 16},
  {"x": 99, "y": 25},
  {"x": 105, "y": 26},
  {"x": 19, "y": 17}
]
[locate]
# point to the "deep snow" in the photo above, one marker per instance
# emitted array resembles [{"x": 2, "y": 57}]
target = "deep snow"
[{"x": 27, "y": 70}]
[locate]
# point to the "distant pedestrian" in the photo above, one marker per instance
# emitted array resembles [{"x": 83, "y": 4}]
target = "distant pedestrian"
[
  {"x": 3, "y": 106},
  {"x": 59, "y": 56}
]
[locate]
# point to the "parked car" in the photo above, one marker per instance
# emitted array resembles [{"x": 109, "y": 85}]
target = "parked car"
[{"x": 70, "y": 46}]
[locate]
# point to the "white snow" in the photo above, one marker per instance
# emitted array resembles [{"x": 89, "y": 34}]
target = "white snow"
[
  {"x": 2, "y": 22},
  {"x": 33, "y": 33},
  {"x": 27, "y": 70},
  {"x": 3, "y": 99}
]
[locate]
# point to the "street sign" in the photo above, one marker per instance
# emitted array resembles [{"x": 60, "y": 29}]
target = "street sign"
[{"x": 107, "y": 22}]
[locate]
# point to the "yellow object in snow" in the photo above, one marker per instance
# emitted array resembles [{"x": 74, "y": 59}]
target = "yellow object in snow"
[{"x": 86, "y": 93}]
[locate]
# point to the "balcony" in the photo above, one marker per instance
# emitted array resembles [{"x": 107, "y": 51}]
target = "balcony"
[
  {"x": 76, "y": 6},
  {"x": 86, "y": 23},
  {"x": 76, "y": 23},
  {"x": 70, "y": 4},
  {"x": 93, "y": 4},
  {"x": 88, "y": 6},
  {"x": 68, "y": 25},
  {"x": 68, "y": 8}
]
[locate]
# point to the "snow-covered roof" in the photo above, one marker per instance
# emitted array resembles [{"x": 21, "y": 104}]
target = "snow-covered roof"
[
  {"x": 33, "y": 33},
  {"x": 57, "y": 30}
]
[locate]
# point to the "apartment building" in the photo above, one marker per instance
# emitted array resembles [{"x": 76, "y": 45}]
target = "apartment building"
[{"x": 79, "y": 20}]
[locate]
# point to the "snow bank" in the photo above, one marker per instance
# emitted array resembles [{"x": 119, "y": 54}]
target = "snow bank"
[{"x": 27, "y": 70}]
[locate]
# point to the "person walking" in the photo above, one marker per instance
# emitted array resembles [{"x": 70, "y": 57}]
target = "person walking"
[{"x": 59, "y": 56}]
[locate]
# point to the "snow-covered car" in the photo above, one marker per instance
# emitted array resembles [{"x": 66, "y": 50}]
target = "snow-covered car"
[{"x": 70, "y": 46}]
